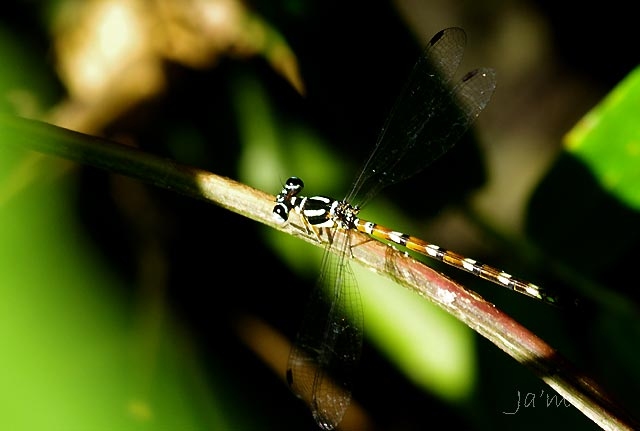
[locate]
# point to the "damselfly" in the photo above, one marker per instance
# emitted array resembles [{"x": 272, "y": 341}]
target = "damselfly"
[{"x": 429, "y": 117}]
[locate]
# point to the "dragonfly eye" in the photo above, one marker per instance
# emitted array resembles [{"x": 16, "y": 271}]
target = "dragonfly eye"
[
  {"x": 294, "y": 185},
  {"x": 281, "y": 213}
]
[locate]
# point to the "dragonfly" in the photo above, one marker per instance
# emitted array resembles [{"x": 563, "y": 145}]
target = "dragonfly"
[{"x": 430, "y": 115}]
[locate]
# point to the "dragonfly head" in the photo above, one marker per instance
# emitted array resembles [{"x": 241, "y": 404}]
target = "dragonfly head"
[{"x": 287, "y": 198}]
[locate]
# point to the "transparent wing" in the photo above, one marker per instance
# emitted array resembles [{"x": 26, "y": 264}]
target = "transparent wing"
[
  {"x": 428, "y": 118},
  {"x": 323, "y": 360}
]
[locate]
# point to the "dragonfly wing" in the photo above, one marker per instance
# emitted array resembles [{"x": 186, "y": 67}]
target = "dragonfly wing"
[
  {"x": 428, "y": 118},
  {"x": 328, "y": 346}
]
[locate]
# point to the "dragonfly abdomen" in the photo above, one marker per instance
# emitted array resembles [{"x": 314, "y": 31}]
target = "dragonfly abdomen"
[{"x": 456, "y": 260}]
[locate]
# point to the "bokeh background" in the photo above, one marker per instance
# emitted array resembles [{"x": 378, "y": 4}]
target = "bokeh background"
[{"x": 127, "y": 307}]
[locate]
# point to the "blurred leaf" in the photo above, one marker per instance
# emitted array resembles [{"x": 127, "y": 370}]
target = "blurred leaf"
[
  {"x": 431, "y": 347},
  {"x": 26, "y": 83},
  {"x": 591, "y": 194},
  {"x": 72, "y": 358},
  {"x": 274, "y": 147},
  {"x": 608, "y": 140}
]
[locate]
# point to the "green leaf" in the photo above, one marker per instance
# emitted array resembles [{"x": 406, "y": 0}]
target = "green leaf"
[
  {"x": 434, "y": 350},
  {"x": 607, "y": 140},
  {"x": 76, "y": 353}
]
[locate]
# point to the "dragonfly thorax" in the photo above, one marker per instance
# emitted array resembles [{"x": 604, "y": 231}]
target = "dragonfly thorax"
[{"x": 345, "y": 215}]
